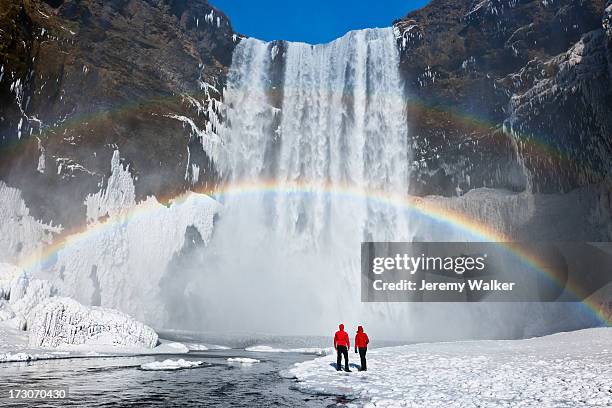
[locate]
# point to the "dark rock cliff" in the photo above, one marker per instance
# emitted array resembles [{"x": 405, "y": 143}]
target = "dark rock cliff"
[
  {"x": 82, "y": 78},
  {"x": 512, "y": 94},
  {"x": 500, "y": 89}
]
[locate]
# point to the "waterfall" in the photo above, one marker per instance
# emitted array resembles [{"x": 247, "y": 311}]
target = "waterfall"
[
  {"x": 340, "y": 122},
  {"x": 308, "y": 131},
  {"x": 327, "y": 117}
]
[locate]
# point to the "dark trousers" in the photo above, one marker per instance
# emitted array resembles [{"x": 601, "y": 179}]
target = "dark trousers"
[
  {"x": 342, "y": 351},
  {"x": 362, "y": 354}
]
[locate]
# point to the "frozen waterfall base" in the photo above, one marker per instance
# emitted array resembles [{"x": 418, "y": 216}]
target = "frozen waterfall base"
[{"x": 561, "y": 370}]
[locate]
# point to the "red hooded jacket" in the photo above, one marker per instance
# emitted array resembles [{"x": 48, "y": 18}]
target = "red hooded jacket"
[
  {"x": 361, "y": 339},
  {"x": 341, "y": 338}
]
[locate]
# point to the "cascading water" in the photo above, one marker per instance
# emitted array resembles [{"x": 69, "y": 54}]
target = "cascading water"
[
  {"x": 310, "y": 121},
  {"x": 308, "y": 131}
]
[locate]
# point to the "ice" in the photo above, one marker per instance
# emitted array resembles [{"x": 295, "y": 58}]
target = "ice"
[
  {"x": 118, "y": 261},
  {"x": 242, "y": 360},
  {"x": 571, "y": 369},
  {"x": 19, "y": 293},
  {"x": 211, "y": 142},
  {"x": 176, "y": 347},
  {"x": 122, "y": 257},
  {"x": 21, "y": 356},
  {"x": 305, "y": 350},
  {"x": 197, "y": 347},
  {"x": 21, "y": 235},
  {"x": 63, "y": 321},
  {"x": 170, "y": 365},
  {"x": 217, "y": 347},
  {"x": 117, "y": 197}
]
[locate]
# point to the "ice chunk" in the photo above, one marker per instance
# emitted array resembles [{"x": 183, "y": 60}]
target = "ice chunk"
[
  {"x": 170, "y": 365},
  {"x": 64, "y": 321},
  {"x": 242, "y": 360}
]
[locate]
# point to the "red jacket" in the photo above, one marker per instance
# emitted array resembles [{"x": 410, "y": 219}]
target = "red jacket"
[
  {"x": 341, "y": 338},
  {"x": 361, "y": 339}
]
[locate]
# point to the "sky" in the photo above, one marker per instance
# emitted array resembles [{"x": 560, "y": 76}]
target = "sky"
[{"x": 313, "y": 21}]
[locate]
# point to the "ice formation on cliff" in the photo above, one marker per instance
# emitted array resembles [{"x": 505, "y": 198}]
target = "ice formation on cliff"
[
  {"x": 119, "y": 261},
  {"x": 19, "y": 294},
  {"x": 20, "y": 234},
  {"x": 63, "y": 321}
]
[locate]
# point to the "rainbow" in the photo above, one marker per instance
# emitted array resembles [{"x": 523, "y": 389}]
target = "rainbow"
[
  {"x": 535, "y": 146},
  {"x": 416, "y": 205}
]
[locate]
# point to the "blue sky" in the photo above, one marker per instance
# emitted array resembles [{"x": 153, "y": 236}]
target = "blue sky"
[{"x": 312, "y": 21}]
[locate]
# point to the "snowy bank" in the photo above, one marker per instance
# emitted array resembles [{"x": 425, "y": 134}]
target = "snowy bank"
[
  {"x": 64, "y": 321},
  {"x": 561, "y": 370},
  {"x": 170, "y": 365}
]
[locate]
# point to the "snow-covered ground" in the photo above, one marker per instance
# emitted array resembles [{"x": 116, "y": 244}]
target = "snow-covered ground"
[{"x": 562, "y": 370}]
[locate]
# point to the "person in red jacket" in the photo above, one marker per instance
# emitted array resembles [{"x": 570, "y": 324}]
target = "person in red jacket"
[
  {"x": 342, "y": 344},
  {"x": 361, "y": 344}
]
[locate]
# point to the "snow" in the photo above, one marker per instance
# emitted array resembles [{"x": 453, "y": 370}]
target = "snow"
[
  {"x": 306, "y": 350},
  {"x": 20, "y": 234},
  {"x": 121, "y": 258},
  {"x": 170, "y": 365},
  {"x": 561, "y": 370},
  {"x": 177, "y": 347},
  {"x": 197, "y": 347},
  {"x": 18, "y": 357},
  {"x": 19, "y": 294},
  {"x": 242, "y": 360},
  {"x": 217, "y": 347},
  {"x": 63, "y": 321}
]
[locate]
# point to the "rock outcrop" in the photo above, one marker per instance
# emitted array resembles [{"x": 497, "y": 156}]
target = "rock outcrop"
[
  {"x": 80, "y": 79},
  {"x": 508, "y": 93},
  {"x": 512, "y": 94}
]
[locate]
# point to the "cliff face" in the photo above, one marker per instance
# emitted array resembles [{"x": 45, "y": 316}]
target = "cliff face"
[
  {"x": 83, "y": 78},
  {"x": 513, "y": 94},
  {"x": 488, "y": 79}
]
